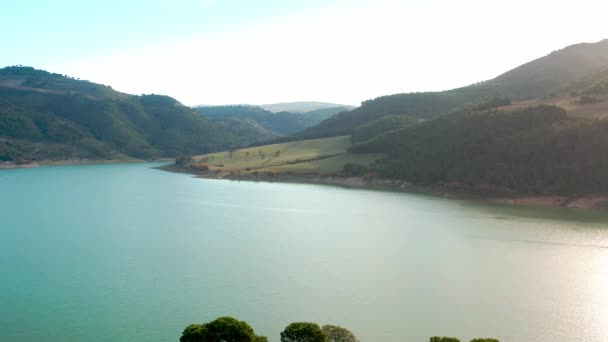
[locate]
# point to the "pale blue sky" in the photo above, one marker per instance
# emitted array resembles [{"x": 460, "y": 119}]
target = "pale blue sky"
[
  {"x": 261, "y": 51},
  {"x": 44, "y": 31}
]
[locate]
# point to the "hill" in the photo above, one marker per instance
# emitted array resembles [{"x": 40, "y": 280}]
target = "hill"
[
  {"x": 530, "y": 150},
  {"x": 255, "y": 124},
  {"x": 302, "y": 107},
  {"x": 319, "y": 156},
  {"x": 549, "y": 76},
  {"x": 382, "y": 126},
  {"x": 538, "y": 129},
  {"x": 50, "y": 116}
]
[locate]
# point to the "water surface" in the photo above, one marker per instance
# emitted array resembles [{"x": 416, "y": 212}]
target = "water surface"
[{"x": 128, "y": 253}]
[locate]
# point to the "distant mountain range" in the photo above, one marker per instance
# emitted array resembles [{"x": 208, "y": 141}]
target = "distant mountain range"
[
  {"x": 255, "y": 124},
  {"x": 302, "y": 107},
  {"x": 528, "y": 129}
]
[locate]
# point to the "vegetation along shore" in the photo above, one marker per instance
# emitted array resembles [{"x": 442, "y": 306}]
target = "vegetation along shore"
[{"x": 328, "y": 161}]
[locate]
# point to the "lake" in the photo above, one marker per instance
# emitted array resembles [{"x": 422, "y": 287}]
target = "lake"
[{"x": 129, "y": 253}]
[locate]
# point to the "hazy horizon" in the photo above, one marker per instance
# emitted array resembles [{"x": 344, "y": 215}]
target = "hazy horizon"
[{"x": 234, "y": 52}]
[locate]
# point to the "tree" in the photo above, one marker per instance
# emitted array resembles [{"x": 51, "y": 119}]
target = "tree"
[
  {"x": 223, "y": 329},
  {"x": 194, "y": 333},
  {"x": 303, "y": 332},
  {"x": 444, "y": 339},
  {"x": 338, "y": 334}
]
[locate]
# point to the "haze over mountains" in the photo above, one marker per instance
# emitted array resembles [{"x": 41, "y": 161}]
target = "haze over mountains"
[
  {"x": 538, "y": 129},
  {"x": 50, "y": 116},
  {"x": 558, "y": 73},
  {"x": 256, "y": 124},
  {"x": 302, "y": 107},
  {"x": 47, "y": 116}
]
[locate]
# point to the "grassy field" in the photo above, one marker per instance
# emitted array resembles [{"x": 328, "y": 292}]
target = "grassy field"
[{"x": 319, "y": 156}]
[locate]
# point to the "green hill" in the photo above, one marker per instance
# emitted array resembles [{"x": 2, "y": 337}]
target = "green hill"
[
  {"x": 319, "y": 156},
  {"x": 51, "y": 116},
  {"x": 548, "y": 76},
  {"x": 382, "y": 126},
  {"x": 538, "y": 129},
  {"x": 531, "y": 150},
  {"x": 255, "y": 124}
]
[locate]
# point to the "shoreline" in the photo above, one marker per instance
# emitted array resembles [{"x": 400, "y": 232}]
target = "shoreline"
[
  {"x": 44, "y": 163},
  {"x": 591, "y": 201}
]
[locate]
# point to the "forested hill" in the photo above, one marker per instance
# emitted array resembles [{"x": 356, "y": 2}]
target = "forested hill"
[
  {"x": 531, "y": 150},
  {"x": 549, "y": 76},
  {"x": 255, "y": 124},
  {"x": 50, "y": 116}
]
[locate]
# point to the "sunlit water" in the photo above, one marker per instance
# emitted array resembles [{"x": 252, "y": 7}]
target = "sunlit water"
[{"x": 128, "y": 253}]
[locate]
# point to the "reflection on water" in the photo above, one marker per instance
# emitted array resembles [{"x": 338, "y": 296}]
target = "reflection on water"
[
  {"x": 510, "y": 212},
  {"x": 128, "y": 253}
]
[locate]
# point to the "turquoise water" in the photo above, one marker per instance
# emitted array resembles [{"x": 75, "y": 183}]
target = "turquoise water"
[{"x": 128, "y": 253}]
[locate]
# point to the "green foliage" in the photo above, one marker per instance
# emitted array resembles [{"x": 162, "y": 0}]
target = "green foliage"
[
  {"x": 484, "y": 340},
  {"x": 194, "y": 333},
  {"x": 495, "y": 102},
  {"x": 277, "y": 155},
  {"x": 183, "y": 160},
  {"x": 303, "y": 332},
  {"x": 319, "y": 115},
  {"x": 67, "y": 118},
  {"x": 338, "y": 334},
  {"x": 415, "y": 105},
  {"x": 20, "y": 70},
  {"x": 255, "y": 124},
  {"x": 15, "y": 121},
  {"x": 382, "y": 126},
  {"x": 547, "y": 75},
  {"x": 552, "y": 73},
  {"x": 223, "y": 329},
  {"x": 532, "y": 150},
  {"x": 444, "y": 339},
  {"x": 596, "y": 83},
  {"x": 352, "y": 170}
]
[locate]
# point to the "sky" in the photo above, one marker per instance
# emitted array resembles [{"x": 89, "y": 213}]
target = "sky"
[{"x": 266, "y": 51}]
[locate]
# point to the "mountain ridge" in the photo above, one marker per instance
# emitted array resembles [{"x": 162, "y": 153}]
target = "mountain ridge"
[
  {"x": 547, "y": 76},
  {"x": 46, "y": 115}
]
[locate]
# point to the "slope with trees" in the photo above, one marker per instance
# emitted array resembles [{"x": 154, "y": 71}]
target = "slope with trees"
[
  {"x": 229, "y": 329},
  {"x": 255, "y": 124},
  {"x": 548, "y": 76},
  {"x": 51, "y": 116},
  {"x": 382, "y": 126},
  {"x": 531, "y": 150}
]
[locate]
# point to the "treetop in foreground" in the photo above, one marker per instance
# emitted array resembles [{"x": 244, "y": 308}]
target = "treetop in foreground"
[
  {"x": 303, "y": 332},
  {"x": 223, "y": 329},
  {"x": 338, "y": 334},
  {"x": 454, "y": 339}
]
